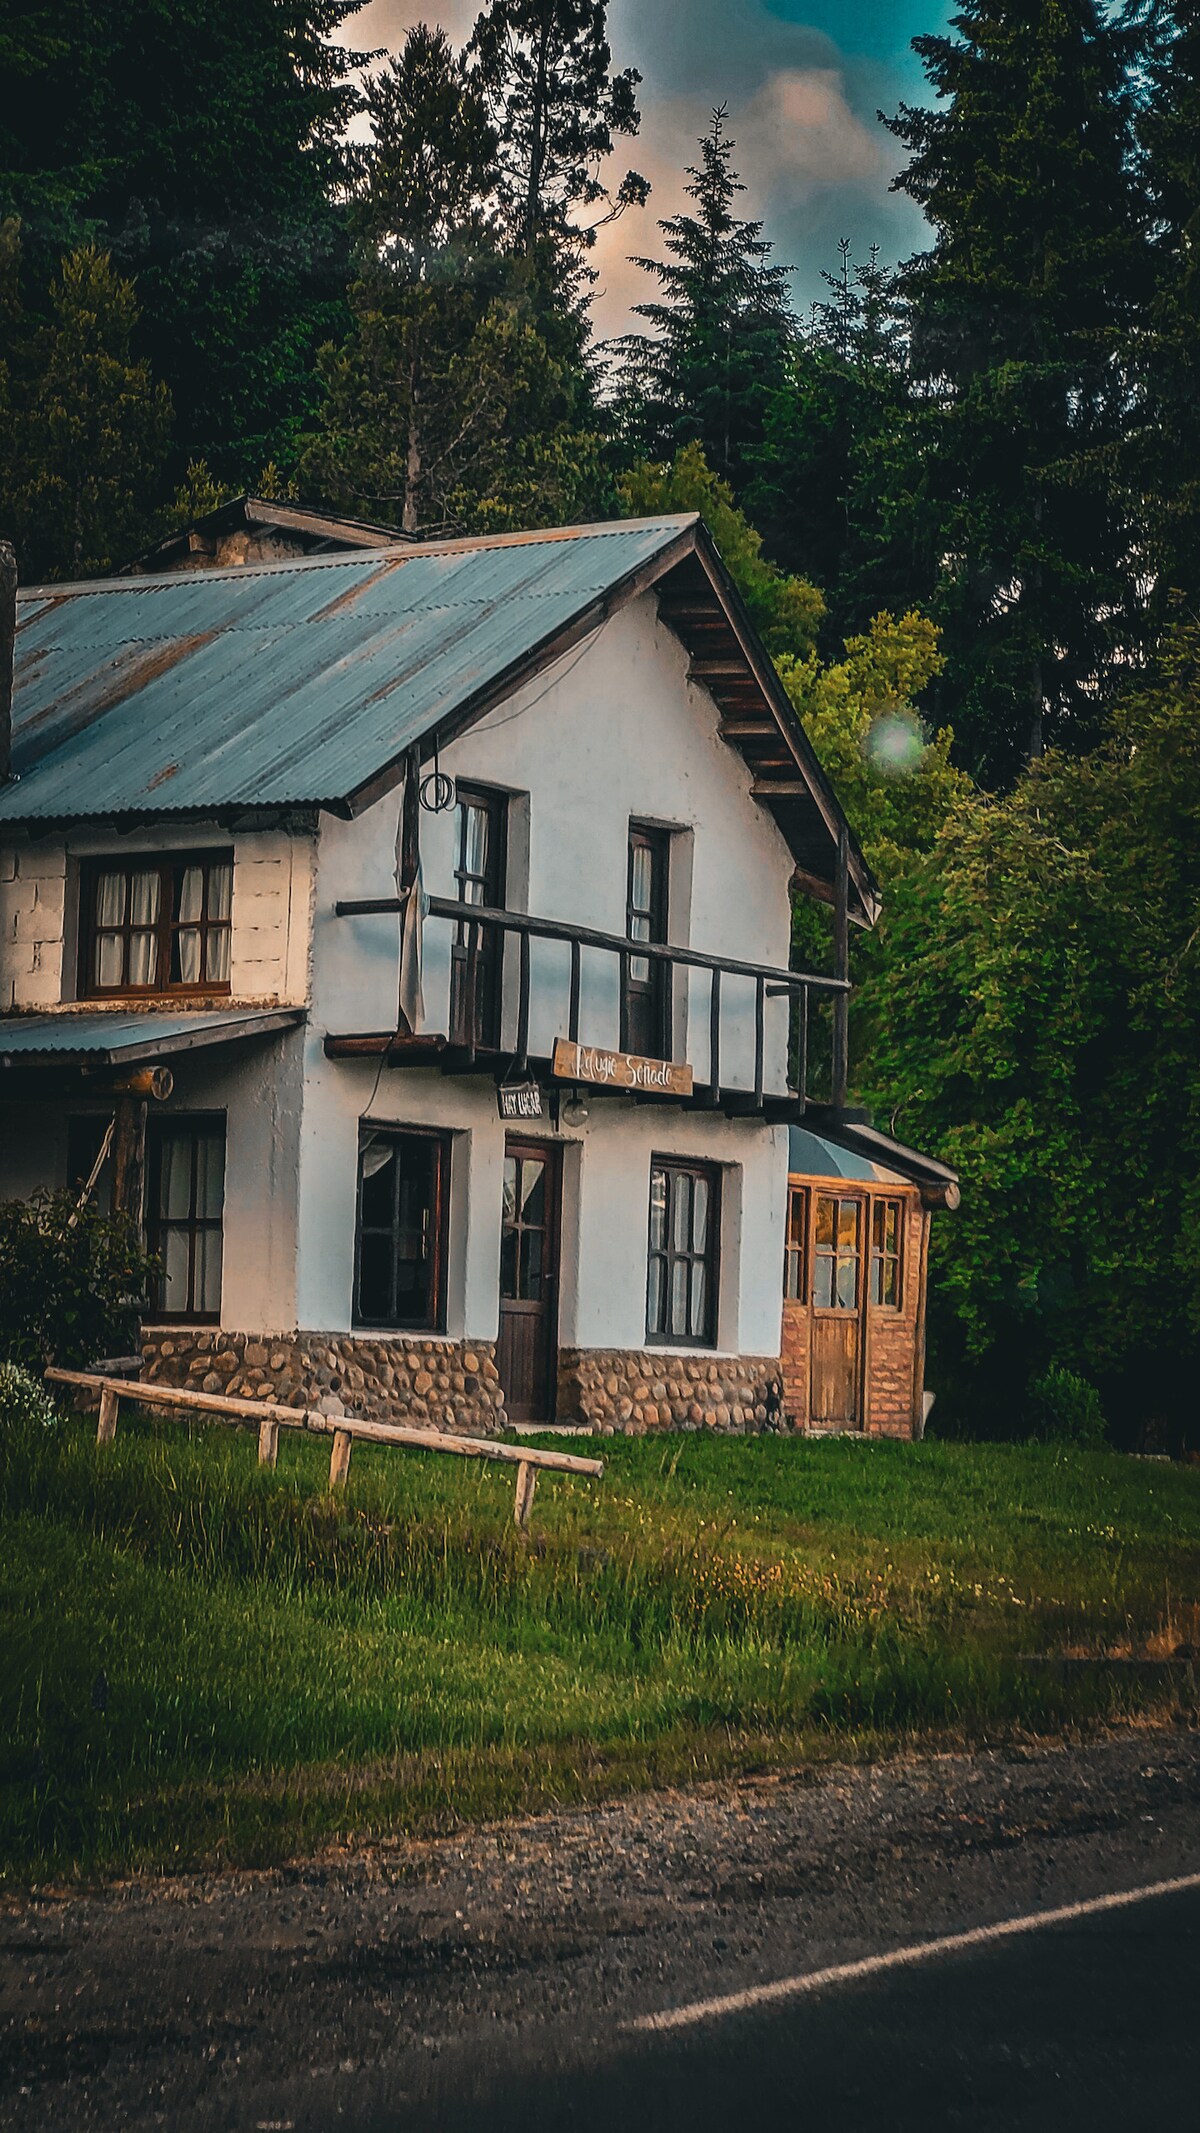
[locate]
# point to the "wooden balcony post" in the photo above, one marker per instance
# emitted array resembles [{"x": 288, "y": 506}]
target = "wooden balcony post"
[
  {"x": 410, "y": 820},
  {"x": 841, "y": 969}
]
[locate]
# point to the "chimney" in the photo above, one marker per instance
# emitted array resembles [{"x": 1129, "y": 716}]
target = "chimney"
[{"x": 8, "y": 649}]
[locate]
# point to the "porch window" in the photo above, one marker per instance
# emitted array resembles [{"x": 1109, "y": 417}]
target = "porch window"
[
  {"x": 156, "y": 925},
  {"x": 184, "y": 1216},
  {"x": 837, "y": 1251},
  {"x": 399, "y": 1279},
  {"x": 685, "y": 1209},
  {"x": 480, "y": 867},
  {"x": 645, "y": 1017},
  {"x": 794, "y": 1244},
  {"x": 885, "y": 1253}
]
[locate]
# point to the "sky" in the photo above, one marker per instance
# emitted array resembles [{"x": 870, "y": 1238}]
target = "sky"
[{"x": 803, "y": 80}]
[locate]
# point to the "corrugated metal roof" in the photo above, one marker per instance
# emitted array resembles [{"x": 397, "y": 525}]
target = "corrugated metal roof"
[
  {"x": 113, "y": 1036},
  {"x": 289, "y": 684}
]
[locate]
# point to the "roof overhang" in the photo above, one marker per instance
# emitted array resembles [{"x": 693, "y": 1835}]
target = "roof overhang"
[
  {"x": 938, "y": 1183},
  {"x": 109, "y": 1037},
  {"x": 699, "y": 602}
]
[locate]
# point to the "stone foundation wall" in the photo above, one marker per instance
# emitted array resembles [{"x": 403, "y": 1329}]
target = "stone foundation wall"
[
  {"x": 452, "y": 1385},
  {"x": 632, "y": 1391}
]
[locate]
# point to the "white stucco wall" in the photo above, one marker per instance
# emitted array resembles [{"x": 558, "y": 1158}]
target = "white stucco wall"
[
  {"x": 614, "y": 732},
  {"x": 606, "y": 1194},
  {"x": 271, "y": 910}
]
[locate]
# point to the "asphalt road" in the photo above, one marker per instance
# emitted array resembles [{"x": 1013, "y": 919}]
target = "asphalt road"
[
  {"x": 503, "y": 1977},
  {"x": 1092, "y": 2025}
]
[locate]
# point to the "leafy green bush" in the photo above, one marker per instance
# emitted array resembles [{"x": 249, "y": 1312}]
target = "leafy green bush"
[
  {"x": 1065, "y": 1409},
  {"x": 24, "y": 1403},
  {"x": 70, "y": 1290}
]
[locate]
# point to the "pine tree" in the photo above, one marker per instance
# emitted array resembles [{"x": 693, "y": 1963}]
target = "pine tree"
[
  {"x": 545, "y": 70},
  {"x": 1163, "y": 463},
  {"x": 1021, "y": 313},
  {"x": 722, "y": 329},
  {"x": 445, "y": 409},
  {"x": 91, "y": 435},
  {"x": 817, "y": 492},
  {"x": 202, "y": 147}
]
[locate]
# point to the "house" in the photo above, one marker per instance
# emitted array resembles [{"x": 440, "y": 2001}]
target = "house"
[{"x": 403, "y": 935}]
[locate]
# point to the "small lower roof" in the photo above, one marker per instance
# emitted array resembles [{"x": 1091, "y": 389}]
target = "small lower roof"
[
  {"x": 116, "y": 1037},
  {"x": 811, "y": 1156}
]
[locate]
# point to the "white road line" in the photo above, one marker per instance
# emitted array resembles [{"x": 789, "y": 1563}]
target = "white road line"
[{"x": 786, "y": 1988}]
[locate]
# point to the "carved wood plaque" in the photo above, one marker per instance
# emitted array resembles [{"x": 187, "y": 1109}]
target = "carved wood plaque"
[{"x": 619, "y": 1070}]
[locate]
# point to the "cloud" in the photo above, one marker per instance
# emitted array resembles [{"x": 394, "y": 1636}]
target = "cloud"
[{"x": 802, "y": 79}]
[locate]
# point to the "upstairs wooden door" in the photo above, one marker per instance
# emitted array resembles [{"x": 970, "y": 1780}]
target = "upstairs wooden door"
[
  {"x": 645, "y": 997},
  {"x": 527, "y": 1356},
  {"x": 838, "y": 1298}
]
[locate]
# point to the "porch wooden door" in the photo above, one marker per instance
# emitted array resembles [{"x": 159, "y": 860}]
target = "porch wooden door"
[
  {"x": 838, "y": 1299},
  {"x": 527, "y": 1357}
]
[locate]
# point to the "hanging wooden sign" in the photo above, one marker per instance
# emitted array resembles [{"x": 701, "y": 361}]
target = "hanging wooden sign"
[
  {"x": 519, "y": 1099},
  {"x": 619, "y": 1070}
]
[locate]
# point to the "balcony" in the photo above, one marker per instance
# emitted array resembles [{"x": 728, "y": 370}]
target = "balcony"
[{"x": 745, "y": 1028}]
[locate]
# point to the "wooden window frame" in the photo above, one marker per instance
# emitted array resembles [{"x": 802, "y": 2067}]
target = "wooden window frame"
[
  {"x": 494, "y": 887},
  {"x": 880, "y": 1258},
  {"x": 169, "y": 866},
  {"x": 796, "y": 1254},
  {"x": 817, "y": 1253},
  {"x": 710, "y": 1258},
  {"x": 194, "y": 1124},
  {"x": 650, "y": 837},
  {"x": 434, "y": 1320}
]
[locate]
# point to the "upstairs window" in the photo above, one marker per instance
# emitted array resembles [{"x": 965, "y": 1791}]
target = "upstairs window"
[
  {"x": 156, "y": 925},
  {"x": 645, "y": 1001},
  {"x": 885, "y": 1253},
  {"x": 480, "y": 866}
]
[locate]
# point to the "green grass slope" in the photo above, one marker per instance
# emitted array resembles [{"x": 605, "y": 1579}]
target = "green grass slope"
[{"x": 204, "y": 1660}]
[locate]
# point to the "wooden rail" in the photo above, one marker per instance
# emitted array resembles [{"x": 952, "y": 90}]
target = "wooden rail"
[
  {"x": 271, "y": 1418},
  {"x": 769, "y": 982}
]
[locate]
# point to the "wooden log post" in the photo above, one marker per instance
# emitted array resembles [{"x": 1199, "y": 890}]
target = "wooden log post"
[
  {"x": 339, "y": 1458},
  {"x": 106, "y": 1426},
  {"x": 129, "y": 1158},
  {"x": 526, "y": 1484},
  {"x": 268, "y": 1441}
]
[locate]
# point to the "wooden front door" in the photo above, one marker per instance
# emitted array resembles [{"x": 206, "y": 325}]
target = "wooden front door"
[
  {"x": 527, "y": 1357},
  {"x": 835, "y": 1400}
]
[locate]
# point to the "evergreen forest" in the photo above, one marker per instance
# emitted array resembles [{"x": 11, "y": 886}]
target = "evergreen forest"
[{"x": 960, "y": 495}]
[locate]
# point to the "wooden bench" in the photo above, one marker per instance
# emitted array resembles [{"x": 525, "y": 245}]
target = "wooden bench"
[{"x": 271, "y": 1418}]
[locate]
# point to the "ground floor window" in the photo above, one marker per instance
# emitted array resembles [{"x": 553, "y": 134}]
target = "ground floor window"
[
  {"x": 399, "y": 1278},
  {"x": 885, "y": 1253},
  {"x": 837, "y": 1251},
  {"x": 681, "y": 1300},
  {"x": 185, "y": 1203},
  {"x": 795, "y": 1241}
]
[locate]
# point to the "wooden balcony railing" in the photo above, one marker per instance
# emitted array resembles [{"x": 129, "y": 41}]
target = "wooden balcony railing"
[{"x": 474, "y": 920}]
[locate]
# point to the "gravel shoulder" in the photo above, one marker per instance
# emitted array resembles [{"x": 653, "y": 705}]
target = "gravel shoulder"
[{"x": 420, "y": 1970}]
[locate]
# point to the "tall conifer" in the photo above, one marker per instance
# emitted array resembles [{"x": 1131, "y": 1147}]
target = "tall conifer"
[
  {"x": 1021, "y": 313},
  {"x": 722, "y": 328}
]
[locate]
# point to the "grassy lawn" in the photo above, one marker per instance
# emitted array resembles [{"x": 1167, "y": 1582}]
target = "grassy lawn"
[{"x": 204, "y": 1661}]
